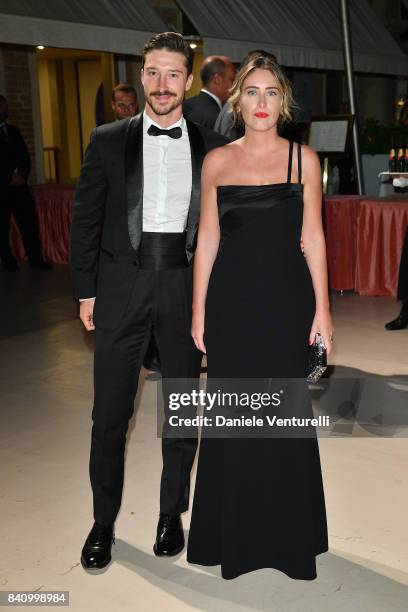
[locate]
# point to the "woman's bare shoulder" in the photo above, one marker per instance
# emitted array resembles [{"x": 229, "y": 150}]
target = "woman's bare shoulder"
[
  {"x": 310, "y": 161},
  {"x": 220, "y": 153},
  {"x": 309, "y": 155},
  {"x": 218, "y": 158}
]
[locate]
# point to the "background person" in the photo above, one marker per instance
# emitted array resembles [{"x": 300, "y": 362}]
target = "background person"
[
  {"x": 15, "y": 196},
  {"x": 124, "y": 101},
  {"x": 217, "y": 76},
  {"x": 401, "y": 322}
]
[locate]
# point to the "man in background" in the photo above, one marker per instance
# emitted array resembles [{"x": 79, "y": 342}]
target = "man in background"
[
  {"x": 217, "y": 76},
  {"x": 401, "y": 322},
  {"x": 15, "y": 196},
  {"x": 124, "y": 101}
]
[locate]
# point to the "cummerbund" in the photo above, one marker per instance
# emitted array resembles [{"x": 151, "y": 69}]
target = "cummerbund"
[{"x": 163, "y": 251}]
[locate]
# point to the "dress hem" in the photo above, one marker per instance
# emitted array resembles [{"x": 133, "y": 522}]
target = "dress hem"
[{"x": 233, "y": 575}]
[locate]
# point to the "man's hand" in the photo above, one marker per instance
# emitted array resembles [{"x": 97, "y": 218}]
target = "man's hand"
[
  {"x": 302, "y": 246},
  {"x": 86, "y": 313},
  {"x": 17, "y": 180}
]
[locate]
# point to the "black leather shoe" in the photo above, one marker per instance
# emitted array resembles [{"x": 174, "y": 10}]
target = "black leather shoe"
[
  {"x": 170, "y": 536},
  {"x": 401, "y": 322},
  {"x": 96, "y": 553}
]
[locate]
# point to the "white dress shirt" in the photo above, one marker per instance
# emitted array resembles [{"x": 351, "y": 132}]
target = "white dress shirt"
[
  {"x": 216, "y": 98},
  {"x": 167, "y": 177},
  {"x": 167, "y": 180}
]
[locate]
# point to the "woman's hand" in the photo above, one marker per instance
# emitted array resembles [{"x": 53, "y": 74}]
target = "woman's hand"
[
  {"x": 197, "y": 331},
  {"x": 323, "y": 324}
]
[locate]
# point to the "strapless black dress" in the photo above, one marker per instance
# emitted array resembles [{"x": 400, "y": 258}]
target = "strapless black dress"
[{"x": 259, "y": 502}]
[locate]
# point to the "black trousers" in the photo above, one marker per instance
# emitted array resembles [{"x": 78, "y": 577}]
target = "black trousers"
[
  {"x": 403, "y": 276},
  {"x": 19, "y": 202},
  {"x": 160, "y": 303}
]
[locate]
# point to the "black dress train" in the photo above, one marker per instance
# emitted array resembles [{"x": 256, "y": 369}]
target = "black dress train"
[{"x": 259, "y": 502}]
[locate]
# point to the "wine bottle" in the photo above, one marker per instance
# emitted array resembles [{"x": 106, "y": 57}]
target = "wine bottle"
[
  {"x": 392, "y": 164},
  {"x": 401, "y": 160}
]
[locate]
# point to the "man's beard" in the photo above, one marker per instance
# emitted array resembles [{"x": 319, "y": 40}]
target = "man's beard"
[{"x": 164, "y": 109}]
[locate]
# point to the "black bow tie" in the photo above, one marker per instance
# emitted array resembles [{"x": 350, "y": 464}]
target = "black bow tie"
[{"x": 156, "y": 131}]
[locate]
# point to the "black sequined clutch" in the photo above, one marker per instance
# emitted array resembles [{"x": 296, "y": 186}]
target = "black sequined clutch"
[{"x": 317, "y": 359}]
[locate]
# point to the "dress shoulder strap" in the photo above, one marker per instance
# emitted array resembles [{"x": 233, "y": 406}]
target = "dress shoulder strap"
[
  {"x": 290, "y": 161},
  {"x": 299, "y": 148}
]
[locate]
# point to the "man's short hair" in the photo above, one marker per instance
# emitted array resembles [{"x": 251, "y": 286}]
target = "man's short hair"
[
  {"x": 170, "y": 41},
  {"x": 124, "y": 88},
  {"x": 210, "y": 69}
]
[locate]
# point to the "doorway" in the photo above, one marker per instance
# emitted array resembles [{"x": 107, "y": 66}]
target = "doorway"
[{"x": 75, "y": 91}]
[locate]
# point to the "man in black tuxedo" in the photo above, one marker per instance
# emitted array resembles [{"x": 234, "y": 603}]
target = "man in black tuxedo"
[
  {"x": 217, "y": 76},
  {"x": 133, "y": 238},
  {"x": 15, "y": 196}
]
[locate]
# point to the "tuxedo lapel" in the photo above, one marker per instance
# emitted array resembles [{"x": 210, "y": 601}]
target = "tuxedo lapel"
[
  {"x": 198, "y": 151},
  {"x": 134, "y": 179}
]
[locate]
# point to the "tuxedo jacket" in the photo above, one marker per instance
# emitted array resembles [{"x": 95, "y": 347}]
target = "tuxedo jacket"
[
  {"x": 202, "y": 109},
  {"x": 107, "y": 221},
  {"x": 13, "y": 154}
]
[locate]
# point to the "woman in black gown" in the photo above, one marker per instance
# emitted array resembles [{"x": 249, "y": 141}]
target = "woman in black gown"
[{"x": 258, "y": 302}]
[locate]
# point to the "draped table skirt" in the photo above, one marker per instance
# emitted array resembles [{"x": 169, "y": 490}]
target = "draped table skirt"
[
  {"x": 381, "y": 228},
  {"x": 340, "y": 217},
  {"x": 54, "y": 210}
]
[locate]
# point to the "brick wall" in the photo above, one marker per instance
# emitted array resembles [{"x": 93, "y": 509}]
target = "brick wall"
[{"x": 16, "y": 77}]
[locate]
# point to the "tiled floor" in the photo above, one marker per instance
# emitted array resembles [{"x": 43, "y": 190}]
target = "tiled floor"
[{"x": 45, "y": 499}]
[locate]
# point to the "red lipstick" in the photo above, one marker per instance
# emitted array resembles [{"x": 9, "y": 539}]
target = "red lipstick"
[{"x": 261, "y": 115}]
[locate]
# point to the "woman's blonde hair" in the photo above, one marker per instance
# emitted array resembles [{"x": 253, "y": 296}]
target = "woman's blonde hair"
[{"x": 265, "y": 62}]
